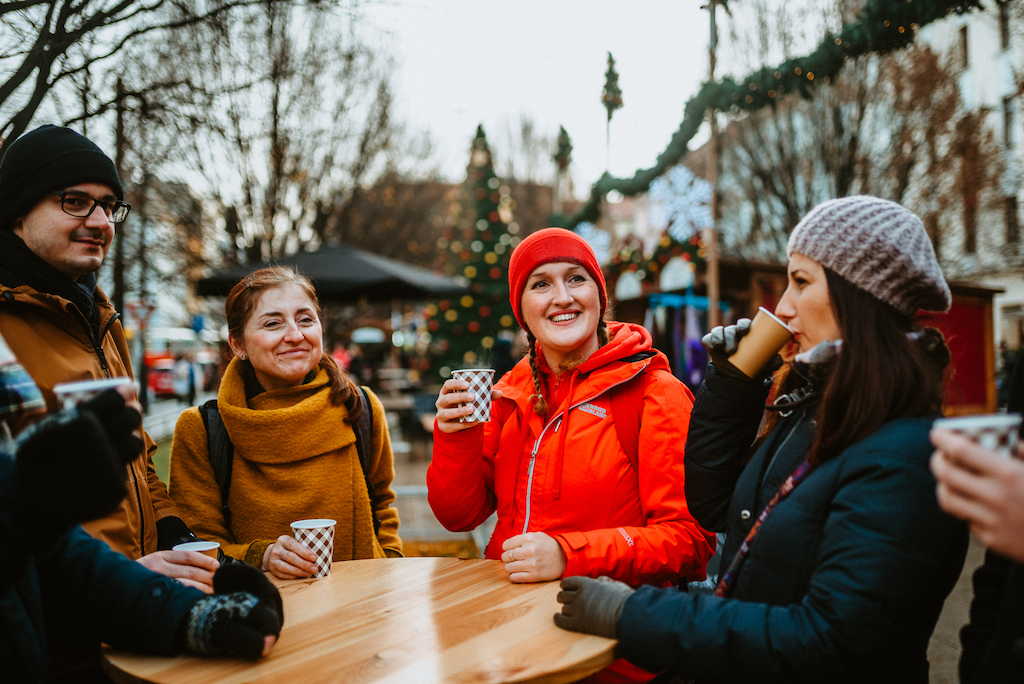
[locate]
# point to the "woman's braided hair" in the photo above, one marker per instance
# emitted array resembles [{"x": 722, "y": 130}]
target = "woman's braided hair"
[{"x": 540, "y": 405}]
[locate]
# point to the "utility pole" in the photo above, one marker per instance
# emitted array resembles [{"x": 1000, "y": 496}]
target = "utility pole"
[{"x": 711, "y": 233}]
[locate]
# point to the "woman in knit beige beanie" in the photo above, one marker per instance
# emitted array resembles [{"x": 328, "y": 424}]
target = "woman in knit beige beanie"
[
  {"x": 289, "y": 411},
  {"x": 837, "y": 558}
]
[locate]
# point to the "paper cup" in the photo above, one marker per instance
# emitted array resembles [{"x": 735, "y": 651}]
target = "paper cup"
[
  {"x": 767, "y": 335},
  {"x": 207, "y": 548},
  {"x": 317, "y": 534},
  {"x": 996, "y": 431},
  {"x": 71, "y": 393},
  {"x": 481, "y": 381}
]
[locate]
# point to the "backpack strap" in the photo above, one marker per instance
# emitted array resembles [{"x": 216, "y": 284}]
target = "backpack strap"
[
  {"x": 221, "y": 451},
  {"x": 364, "y": 443},
  {"x": 627, "y": 402}
]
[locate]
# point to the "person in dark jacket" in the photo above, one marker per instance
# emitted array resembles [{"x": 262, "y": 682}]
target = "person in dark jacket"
[
  {"x": 60, "y": 587},
  {"x": 838, "y": 558},
  {"x": 987, "y": 490}
]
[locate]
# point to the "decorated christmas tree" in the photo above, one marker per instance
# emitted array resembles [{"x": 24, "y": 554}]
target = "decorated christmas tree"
[{"x": 477, "y": 248}]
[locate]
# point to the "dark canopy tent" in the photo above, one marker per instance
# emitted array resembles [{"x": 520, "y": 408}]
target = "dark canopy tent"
[{"x": 341, "y": 272}]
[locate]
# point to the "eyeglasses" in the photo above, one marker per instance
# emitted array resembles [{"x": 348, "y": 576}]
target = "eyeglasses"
[{"x": 81, "y": 205}]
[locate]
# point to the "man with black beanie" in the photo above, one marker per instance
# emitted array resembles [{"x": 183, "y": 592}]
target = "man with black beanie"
[{"x": 60, "y": 198}]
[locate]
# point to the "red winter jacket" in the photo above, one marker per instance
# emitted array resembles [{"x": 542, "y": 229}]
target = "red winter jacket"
[{"x": 570, "y": 477}]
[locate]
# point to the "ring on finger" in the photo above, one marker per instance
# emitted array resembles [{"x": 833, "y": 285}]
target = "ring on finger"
[{"x": 512, "y": 555}]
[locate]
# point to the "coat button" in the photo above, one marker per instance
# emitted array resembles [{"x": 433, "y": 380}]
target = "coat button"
[
  {"x": 745, "y": 514},
  {"x": 155, "y": 593}
]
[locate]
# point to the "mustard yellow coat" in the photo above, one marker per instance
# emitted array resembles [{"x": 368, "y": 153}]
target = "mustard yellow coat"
[{"x": 294, "y": 458}]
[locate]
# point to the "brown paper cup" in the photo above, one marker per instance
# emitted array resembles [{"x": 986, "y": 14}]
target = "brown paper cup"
[
  {"x": 71, "y": 393},
  {"x": 767, "y": 335},
  {"x": 995, "y": 431},
  {"x": 481, "y": 382},
  {"x": 207, "y": 548},
  {"x": 317, "y": 534}
]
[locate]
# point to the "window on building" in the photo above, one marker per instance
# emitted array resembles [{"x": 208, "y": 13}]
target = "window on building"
[
  {"x": 1012, "y": 224},
  {"x": 964, "y": 62},
  {"x": 1008, "y": 122},
  {"x": 970, "y": 228},
  {"x": 1004, "y": 24}
]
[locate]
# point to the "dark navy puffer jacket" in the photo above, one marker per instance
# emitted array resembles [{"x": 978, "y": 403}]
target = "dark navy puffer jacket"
[
  {"x": 847, "y": 576},
  {"x": 74, "y": 592}
]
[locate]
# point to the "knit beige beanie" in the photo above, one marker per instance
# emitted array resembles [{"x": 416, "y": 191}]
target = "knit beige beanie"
[{"x": 878, "y": 246}]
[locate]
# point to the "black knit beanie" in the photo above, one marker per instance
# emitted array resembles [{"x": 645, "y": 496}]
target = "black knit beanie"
[{"x": 47, "y": 159}]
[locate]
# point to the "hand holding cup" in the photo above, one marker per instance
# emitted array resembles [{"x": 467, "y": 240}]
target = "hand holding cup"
[
  {"x": 749, "y": 347},
  {"x": 88, "y": 448},
  {"x": 456, "y": 403},
  {"x": 983, "y": 487},
  {"x": 722, "y": 341}
]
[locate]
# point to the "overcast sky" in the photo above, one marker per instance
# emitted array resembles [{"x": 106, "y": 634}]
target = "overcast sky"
[{"x": 467, "y": 62}]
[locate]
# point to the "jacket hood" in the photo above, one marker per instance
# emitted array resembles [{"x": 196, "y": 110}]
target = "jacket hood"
[
  {"x": 56, "y": 305},
  {"x": 609, "y": 365}
]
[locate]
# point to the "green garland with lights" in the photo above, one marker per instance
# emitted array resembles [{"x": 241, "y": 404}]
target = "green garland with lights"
[
  {"x": 882, "y": 26},
  {"x": 691, "y": 250},
  {"x": 630, "y": 257}
]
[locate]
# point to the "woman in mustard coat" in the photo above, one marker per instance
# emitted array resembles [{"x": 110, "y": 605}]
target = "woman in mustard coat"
[{"x": 289, "y": 412}]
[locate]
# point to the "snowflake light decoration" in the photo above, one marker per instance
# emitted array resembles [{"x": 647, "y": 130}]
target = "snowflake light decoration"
[
  {"x": 681, "y": 202},
  {"x": 598, "y": 240}
]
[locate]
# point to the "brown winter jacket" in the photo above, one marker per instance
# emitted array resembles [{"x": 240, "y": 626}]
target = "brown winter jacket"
[{"x": 53, "y": 341}]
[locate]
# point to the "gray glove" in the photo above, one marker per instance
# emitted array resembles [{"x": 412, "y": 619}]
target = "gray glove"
[
  {"x": 591, "y": 605},
  {"x": 722, "y": 343}
]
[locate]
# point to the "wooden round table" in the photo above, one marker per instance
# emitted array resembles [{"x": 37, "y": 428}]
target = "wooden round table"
[{"x": 400, "y": 620}]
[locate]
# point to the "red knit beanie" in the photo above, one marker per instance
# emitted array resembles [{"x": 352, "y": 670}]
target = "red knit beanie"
[{"x": 544, "y": 247}]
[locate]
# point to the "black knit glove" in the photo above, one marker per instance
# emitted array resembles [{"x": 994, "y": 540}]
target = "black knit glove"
[
  {"x": 119, "y": 423},
  {"x": 593, "y": 606},
  {"x": 244, "y": 609},
  {"x": 71, "y": 466}
]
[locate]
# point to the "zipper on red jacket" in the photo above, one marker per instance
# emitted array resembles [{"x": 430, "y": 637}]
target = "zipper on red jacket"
[
  {"x": 529, "y": 471},
  {"x": 536, "y": 445}
]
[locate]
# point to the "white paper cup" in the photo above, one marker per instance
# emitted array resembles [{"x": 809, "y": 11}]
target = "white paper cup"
[
  {"x": 71, "y": 393},
  {"x": 317, "y": 534},
  {"x": 207, "y": 548},
  {"x": 481, "y": 382},
  {"x": 995, "y": 431},
  {"x": 767, "y": 335}
]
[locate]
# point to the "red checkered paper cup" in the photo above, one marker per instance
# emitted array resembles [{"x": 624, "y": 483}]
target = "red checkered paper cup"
[
  {"x": 481, "y": 381},
  {"x": 995, "y": 431},
  {"x": 317, "y": 534}
]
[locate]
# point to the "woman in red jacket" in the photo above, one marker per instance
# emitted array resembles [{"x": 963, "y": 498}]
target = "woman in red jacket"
[{"x": 570, "y": 498}]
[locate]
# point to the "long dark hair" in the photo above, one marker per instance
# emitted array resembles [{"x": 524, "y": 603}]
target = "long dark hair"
[
  {"x": 239, "y": 307},
  {"x": 888, "y": 368}
]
